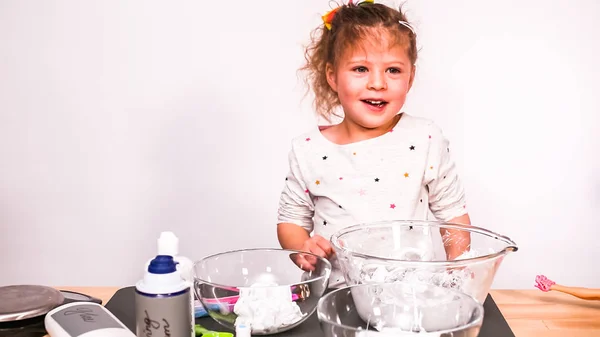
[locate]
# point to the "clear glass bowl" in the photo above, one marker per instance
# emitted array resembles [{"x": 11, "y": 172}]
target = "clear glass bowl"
[
  {"x": 399, "y": 309},
  {"x": 271, "y": 290},
  {"x": 414, "y": 251}
]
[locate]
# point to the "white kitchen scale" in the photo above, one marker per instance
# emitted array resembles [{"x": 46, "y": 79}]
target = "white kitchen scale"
[{"x": 24, "y": 307}]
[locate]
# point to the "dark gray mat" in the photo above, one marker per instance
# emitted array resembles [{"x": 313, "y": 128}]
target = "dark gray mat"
[{"x": 122, "y": 305}]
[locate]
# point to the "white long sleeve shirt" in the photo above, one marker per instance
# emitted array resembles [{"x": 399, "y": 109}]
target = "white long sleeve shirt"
[{"x": 401, "y": 175}]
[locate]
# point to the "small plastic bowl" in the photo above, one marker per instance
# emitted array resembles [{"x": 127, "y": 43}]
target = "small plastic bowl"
[
  {"x": 286, "y": 287},
  {"x": 399, "y": 309}
]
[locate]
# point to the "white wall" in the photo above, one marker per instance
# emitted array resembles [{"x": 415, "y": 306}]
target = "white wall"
[{"x": 119, "y": 119}]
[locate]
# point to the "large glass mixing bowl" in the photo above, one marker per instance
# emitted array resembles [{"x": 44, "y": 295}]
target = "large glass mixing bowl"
[
  {"x": 399, "y": 309},
  {"x": 270, "y": 290},
  {"x": 418, "y": 251}
]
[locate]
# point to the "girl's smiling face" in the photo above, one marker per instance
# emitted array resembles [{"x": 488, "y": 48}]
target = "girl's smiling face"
[{"x": 372, "y": 82}]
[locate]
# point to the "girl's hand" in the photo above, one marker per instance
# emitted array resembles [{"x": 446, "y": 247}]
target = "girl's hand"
[{"x": 317, "y": 245}]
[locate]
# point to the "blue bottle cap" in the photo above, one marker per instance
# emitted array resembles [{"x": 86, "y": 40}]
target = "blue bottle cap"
[{"x": 162, "y": 264}]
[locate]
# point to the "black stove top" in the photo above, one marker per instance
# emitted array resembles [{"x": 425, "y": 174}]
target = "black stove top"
[{"x": 31, "y": 327}]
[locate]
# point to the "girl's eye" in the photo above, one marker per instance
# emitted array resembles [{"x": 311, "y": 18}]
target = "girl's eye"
[
  {"x": 360, "y": 69},
  {"x": 394, "y": 71}
]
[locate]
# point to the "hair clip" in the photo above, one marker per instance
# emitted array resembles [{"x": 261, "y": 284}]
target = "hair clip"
[
  {"x": 407, "y": 25},
  {"x": 328, "y": 17}
]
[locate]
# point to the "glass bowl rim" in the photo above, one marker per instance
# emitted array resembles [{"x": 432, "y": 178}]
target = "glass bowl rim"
[
  {"x": 511, "y": 245},
  {"x": 478, "y": 311},
  {"x": 228, "y": 252}
]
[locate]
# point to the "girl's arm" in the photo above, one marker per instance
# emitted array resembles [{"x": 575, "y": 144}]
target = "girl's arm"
[
  {"x": 456, "y": 242},
  {"x": 446, "y": 194},
  {"x": 291, "y": 236},
  {"x": 296, "y": 209}
]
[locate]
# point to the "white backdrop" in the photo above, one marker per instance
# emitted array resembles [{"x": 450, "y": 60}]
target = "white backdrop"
[{"x": 119, "y": 119}]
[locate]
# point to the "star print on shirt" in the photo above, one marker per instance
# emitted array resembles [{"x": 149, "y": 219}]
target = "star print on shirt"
[
  {"x": 324, "y": 157},
  {"x": 392, "y": 206},
  {"x": 324, "y": 223},
  {"x": 412, "y": 147},
  {"x": 376, "y": 180},
  {"x": 406, "y": 175},
  {"x": 318, "y": 182}
]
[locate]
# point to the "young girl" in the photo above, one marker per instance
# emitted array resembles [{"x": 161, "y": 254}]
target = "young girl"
[{"x": 378, "y": 163}]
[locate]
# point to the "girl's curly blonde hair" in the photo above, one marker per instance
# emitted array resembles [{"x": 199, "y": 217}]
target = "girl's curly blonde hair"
[{"x": 351, "y": 25}]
